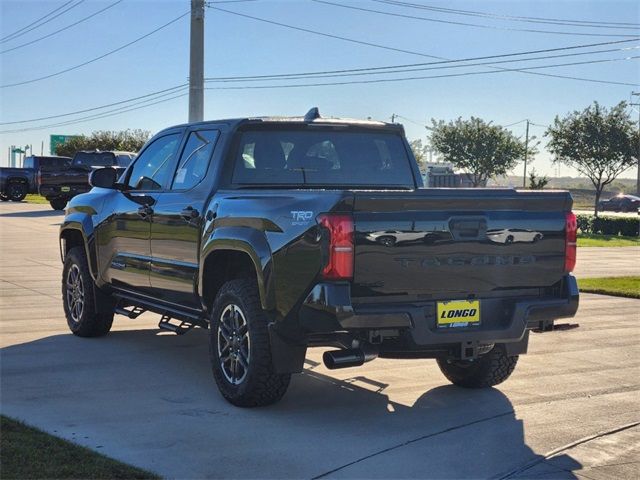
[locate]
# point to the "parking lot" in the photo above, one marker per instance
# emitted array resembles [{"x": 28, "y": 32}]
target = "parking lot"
[{"x": 570, "y": 410}]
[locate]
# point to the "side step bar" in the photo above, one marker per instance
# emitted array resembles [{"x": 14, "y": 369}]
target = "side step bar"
[
  {"x": 135, "y": 312},
  {"x": 186, "y": 320},
  {"x": 179, "y": 329}
]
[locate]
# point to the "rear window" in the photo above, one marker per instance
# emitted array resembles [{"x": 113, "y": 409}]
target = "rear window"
[
  {"x": 317, "y": 156},
  {"x": 95, "y": 159}
]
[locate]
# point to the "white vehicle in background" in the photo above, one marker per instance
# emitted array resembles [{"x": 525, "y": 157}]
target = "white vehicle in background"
[{"x": 513, "y": 235}]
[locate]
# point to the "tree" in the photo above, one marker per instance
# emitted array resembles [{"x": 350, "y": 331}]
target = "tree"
[
  {"x": 535, "y": 182},
  {"x": 599, "y": 143},
  {"x": 479, "y": 148},
  {"x": 125, "y": 140},
  {"x": 418, "y": 150}
]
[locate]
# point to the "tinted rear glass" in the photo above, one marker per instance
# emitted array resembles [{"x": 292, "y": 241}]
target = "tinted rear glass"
[
  {"x": 317, "y": 156},
  {"x": 94, "y": 159}
]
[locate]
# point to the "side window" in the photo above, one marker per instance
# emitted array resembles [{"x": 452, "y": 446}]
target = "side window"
[
  {"x": 153, "y": 167},
  {"x": 28, "y": 163},
  {"x": 195, "y": 159}
]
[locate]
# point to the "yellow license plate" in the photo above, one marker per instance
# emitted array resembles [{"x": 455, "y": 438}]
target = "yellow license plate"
[
  {"x": 459, "y": 313},
  {"x": 65, "y": 189}
]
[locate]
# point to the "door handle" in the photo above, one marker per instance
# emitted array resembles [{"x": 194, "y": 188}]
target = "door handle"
[
  {"x": 145, "y": 211},
  {"x": 189, "y": 214}
]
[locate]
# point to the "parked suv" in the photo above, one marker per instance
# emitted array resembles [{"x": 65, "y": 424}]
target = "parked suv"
[
  {"x": 267, "y": 232},
  {"x": 62, "y": 184}
]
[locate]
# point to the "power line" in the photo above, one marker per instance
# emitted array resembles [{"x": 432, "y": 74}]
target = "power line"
[
  {"x": 386, "y": 80},
  {"x": 112, "y": 113},
  {"x": 7, "y": 37},
  {"x": 552, "y": 21},
  {"x": 323, "y": 34},
  {"x": 61, "y": 29},
  {"x": 26, "y": 30},
  {"x": 111, "y": 52},
  {"x": 384, "y": 47},
  {"x": 476, "y": 25},
  {"x": 303, "y": 74},
  {"x": 171, "y": 89},
  {"x": 441, "y": 62},
  {"x": 400, "y": 68},
  {"x": 514, "y": 123}
]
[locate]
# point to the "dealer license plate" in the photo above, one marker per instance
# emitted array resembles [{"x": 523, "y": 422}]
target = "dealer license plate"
[
  {"x": 458, "y": 313},
  {"x": 65, "y": 189}
]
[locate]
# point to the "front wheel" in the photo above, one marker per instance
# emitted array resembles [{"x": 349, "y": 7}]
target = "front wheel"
[
  {"x": 58, "y": 203},
  {"x": 17, "y": 192},
  {"x": 488, "y": 370},
  {"x": 89, "y": 311},
  {"x": 240, "y": 350}
]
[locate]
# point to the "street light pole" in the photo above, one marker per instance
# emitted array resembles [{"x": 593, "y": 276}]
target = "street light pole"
[
  {"x": 196, "y": 62},
  {"x": 638, "y": 155}
]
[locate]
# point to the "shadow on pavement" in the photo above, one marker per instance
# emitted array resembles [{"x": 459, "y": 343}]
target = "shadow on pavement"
[
  {"x": 34, "y": 214},
  {"x": 153, "y": 393}
]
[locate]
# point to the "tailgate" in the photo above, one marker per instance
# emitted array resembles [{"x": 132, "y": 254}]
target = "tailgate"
[{"x": 431, "y": 243}]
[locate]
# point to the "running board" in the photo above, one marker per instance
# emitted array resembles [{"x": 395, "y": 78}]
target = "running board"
[
  {"x": 185, "y": 319},
  {"x": 135, "y": 312},
  {"x": 179, "y": 329}
]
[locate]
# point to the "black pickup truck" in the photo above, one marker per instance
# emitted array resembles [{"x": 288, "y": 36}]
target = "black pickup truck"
[
  {"x": 279, "y": 234},
  {"x": 15, "y": 183},
  {"x": 60, "y": 185}
]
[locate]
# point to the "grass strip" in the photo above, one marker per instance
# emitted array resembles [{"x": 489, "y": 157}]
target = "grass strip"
[
  {"x": 616, "y": 286},
  {"x": 31, "y": 453},
  {"x": 35, "y": 198},
  {"x": 591, "y": 240}
]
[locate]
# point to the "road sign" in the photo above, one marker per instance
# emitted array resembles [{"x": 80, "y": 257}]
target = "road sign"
[{"x": 56, "y": 140}]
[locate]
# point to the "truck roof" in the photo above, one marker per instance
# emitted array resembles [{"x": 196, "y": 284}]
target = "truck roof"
[{"x": 312, "y": 117}]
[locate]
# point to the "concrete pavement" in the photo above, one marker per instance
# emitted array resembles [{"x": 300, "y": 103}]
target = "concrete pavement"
[
  {"x": 607, "y": 262},
  {"x": 148, "y": 398}
]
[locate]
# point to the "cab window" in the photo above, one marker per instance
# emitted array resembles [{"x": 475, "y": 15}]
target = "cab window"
[
  {"x": 152, "y": 168},
  {"x": 195, "y": 158}
]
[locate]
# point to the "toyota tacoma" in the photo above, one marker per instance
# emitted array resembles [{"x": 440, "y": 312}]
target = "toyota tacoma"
[{"x": 280, "y": 234}]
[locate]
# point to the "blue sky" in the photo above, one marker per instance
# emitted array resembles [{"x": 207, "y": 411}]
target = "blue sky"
[{"x": 241, "y": 46}]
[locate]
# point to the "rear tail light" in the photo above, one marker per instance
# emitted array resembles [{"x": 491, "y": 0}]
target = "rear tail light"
[
  {"x": 340, "y": 262},
  {"x": 571, "y": 232}
]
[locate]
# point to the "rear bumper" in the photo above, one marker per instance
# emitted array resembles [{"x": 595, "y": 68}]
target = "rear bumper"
[
  {"x": 328, "y": 308},
  {"x": 51, "y": 192}
]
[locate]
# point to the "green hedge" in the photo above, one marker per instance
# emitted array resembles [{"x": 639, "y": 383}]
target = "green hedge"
[{"x": 626, "y": 226}]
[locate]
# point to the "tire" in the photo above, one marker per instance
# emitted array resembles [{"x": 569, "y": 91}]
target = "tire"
[
  {"x": 3, "y": 197},
  {"x": 488, "y": 370},
  {"x": 238, "y": 335},
  {"x": 58, "y": 203},
  {"x": 89, "y": 311},
  {"x": 16, "y": 192}
]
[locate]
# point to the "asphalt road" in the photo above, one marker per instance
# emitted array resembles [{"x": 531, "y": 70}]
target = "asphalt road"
[{"x": 148, "y": 398}]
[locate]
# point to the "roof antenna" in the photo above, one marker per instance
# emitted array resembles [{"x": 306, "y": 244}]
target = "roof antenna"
[{"x": 312, "y": 114}]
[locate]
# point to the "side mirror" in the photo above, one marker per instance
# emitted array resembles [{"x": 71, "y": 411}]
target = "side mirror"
[{"x": 103, "y": 177}]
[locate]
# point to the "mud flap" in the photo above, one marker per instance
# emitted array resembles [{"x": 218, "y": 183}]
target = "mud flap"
[
  {"x": 518, "y": 348},
  {"x": 287, "y": 356}
]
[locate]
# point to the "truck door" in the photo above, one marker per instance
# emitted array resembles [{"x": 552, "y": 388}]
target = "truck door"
[
  {"x": 177, "y": 221},
  {"x": 123, "y": 238}
]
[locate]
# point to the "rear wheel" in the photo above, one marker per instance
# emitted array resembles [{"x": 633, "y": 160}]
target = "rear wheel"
[
  {"x": 16, "y": 192},
  {"x": 89, "y": 311},
  {"x": 240, "y": 350},
  {"x": 58, "y": 203},
  {"x": 488, "y": 370}
]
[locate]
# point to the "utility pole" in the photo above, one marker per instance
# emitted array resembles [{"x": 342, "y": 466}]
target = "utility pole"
[
  {"x": 526, "y": 154},
  {"x": 393, "y": 118},
  {"x": 196, "y": 62},
  {"x": 638, "y": 159}
]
